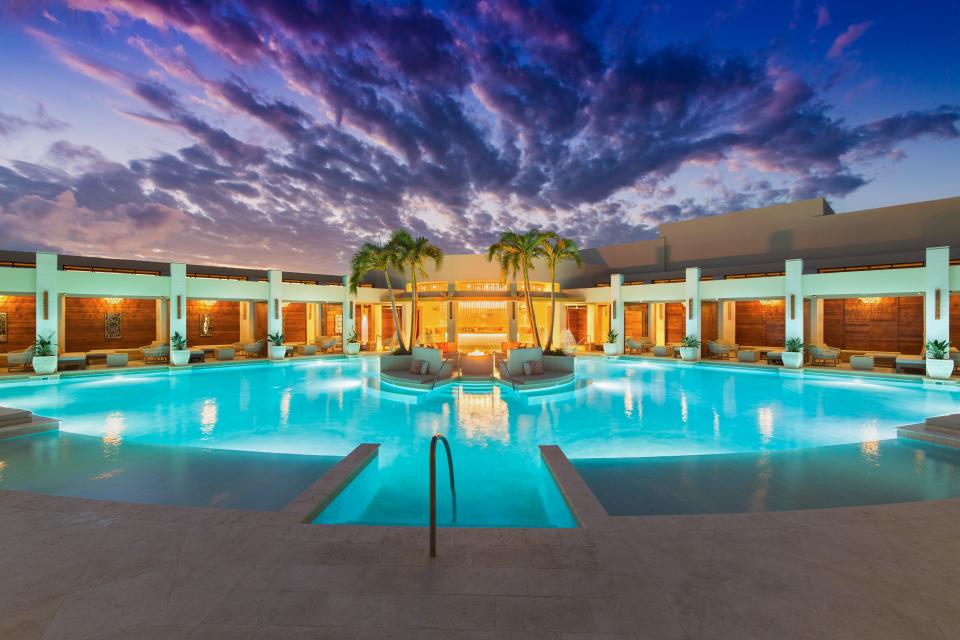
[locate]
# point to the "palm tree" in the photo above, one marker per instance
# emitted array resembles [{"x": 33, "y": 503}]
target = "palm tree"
[
  {"x": 516, "y": 252},
  {"x": 555, "y": 251},
  {"x": 374, "y": 257},
  {"x": 411, "y": 254}
]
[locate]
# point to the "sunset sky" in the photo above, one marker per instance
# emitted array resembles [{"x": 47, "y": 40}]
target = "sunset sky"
[{"x": 283, "y": 134}]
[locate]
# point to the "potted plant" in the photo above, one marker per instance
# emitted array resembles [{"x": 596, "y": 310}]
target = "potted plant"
[
  {"x": 44, "y": 359},
  {"x": 792, "y": 355},
  {"x": 610, "y": 347},
  {"x": 352, "y": 346},
  {"x": 278, "y": 351},
  {"x": 690, "y": 348},
  {"x": 939, "y": 363},
  {"x": 179, "y": 354}
]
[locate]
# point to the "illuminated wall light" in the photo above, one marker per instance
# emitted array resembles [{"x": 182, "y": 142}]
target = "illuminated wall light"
[
  {"x": 869, "y": 300},
  {"x": 793, "y": 306},
  {"x": 179, "y": 312},
  {"x": 690, "y": 308},
  {"x": 276, "y": 308},
  {"x": 110, "y": 301},
  {"x": 46, "y": 305},
  {"x": 936, "y": 304}
]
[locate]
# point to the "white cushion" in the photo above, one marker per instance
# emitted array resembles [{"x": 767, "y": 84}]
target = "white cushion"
[
  {"x": 516, "y": 358},
  {"x": 433, "y": 358},
  {"x": 416, "y": 366}
]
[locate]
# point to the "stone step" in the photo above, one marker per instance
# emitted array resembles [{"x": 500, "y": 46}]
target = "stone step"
[
  {"x": 944, "y": 424},
  {"x": 921, "y": 433},
  {"x": 10, "y": 416}
]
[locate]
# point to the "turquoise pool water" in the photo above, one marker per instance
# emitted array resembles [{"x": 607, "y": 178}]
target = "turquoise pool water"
[{"x": 621, "y": 409}]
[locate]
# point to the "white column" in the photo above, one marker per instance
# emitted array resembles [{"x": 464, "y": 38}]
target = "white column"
[
  {"x": 616, "y": 309},
  {"x": 311, "y": 311},
  {"x": 816, "y": 321},
  {"x": 48, "y": 296},
  {"x": 592, "y": 336},
  {"x": 936, "y": 298},
  {"x": 348, "y": 320},
  {"x": 692, "y": 301},
  {"x": 275, "y": 301},
  {"x": 162, "y": 321},
  {"x": 793, "y": 299},
  {"x": 178, "y": 299},
  {"x": 513, "y": 330},
  {"x": 727, "y": 313},
  {"x": 659, "y": 310},
  {"x": 246, "y": 322}
]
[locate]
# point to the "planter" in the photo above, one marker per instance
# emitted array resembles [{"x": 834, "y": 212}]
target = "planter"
[
  {"x": 690, "y": 354},
  {"x": 45, "y": 365},
  {"x": 611, "y": 348},
  {"x": 351, "y": 348},
  {"x": 792, "y": 359},
  {"x": 278, "y": 352},
  {"x": 179, "y": 357},
  {"x": 937, "y": 369}
]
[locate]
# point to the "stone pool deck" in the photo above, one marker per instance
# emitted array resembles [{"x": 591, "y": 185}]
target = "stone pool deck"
[{"x": 77, "y": 568}]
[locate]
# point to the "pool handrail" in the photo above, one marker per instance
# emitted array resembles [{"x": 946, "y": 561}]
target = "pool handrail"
[{"x": 433, "y": 488}]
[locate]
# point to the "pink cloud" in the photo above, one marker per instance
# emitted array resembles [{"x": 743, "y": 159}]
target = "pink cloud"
[
  {"x": 853, "y": 33},
  {"x": 823, "y": 16}
]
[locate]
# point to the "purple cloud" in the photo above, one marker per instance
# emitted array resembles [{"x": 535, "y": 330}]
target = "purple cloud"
[{"x": 853, "y": 33}]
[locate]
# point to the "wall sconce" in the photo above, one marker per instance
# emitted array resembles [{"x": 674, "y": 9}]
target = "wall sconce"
[
  {"x": 936, "y": 304},
  {"x": 615, "y": 305},
  {"x": 793, "y": 306},
  {"x": 690, "y": 308},
  {"x": 179, "y": 312},
  {"x": 276, "y": 308},
  {"x": 46, "y": 305},
  {"x": 767, "y": 303},
  {"x": 869, "y": 300},
  {"x": 111, "y": 301}
]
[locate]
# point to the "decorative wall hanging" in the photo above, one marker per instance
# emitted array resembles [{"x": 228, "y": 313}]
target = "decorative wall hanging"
[
  {"x": 206, "y": 325},
  {"x": 112, "y": 325}
]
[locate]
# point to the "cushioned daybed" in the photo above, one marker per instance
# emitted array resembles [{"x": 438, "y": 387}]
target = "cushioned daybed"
[
  {"x": 556, "y": 370},
  {"x": 397, "y": 369}
]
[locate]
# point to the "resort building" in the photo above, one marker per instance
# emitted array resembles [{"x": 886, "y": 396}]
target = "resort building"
[{"x": 881, "y": 281}]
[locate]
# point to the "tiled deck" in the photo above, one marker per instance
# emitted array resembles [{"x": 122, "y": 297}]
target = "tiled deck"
[{"x": 75, "y": 568}]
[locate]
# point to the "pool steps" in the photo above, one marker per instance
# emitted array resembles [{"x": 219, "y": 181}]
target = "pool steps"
[
  {"x": 941, "y": 430},
  {"x": 19, "y": 422}
]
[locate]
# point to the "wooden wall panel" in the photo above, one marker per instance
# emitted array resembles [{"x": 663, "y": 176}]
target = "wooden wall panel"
[
  {"x": 709, "y": 326},
  {"x": 676, "y": 322},
  {"x": 295, "y": 322},
  {"x": 21, "y": 322},
  {"x": 576, "y": 322},
  {"x": 760, "y": 325},
  {"x": 84, "y": 327},
  {"x": 389, "y": 331},
  {"x": 635, "y": 324},
  {"x": 260, "y": 322},
  {"x": 226, "y": 322},
  {"x": 955, "y": 319},
  {"x": 330, "y": 313},
  {"x": 888, "y": 324}
]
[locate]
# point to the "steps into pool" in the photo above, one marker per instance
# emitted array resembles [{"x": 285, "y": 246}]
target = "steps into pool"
[
  {"x": 19, "y": 422},
  {"x": 941, "y": 430}
]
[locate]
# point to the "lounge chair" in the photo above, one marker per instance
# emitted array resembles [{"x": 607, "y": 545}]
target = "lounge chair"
[
  {"x": 252, "y": 349},
  {"x": 556, "y": 370},
  {"x": 904, "y": 363},
  {"x": 637, "y": 346},
  {"x": 20, "y": 359},
  {"x": 822, "y": 354},
  {"x": 160, "y": 353},
  {"x": 721, "y": 349}
]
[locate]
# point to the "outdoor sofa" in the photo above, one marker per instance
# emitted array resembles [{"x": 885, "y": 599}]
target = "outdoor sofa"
[
  {"x": 395, "y": 369},
  {"x": 556, "y": 370}
]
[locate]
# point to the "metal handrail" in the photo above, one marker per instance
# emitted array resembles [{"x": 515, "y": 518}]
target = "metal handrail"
[
  {"x": 433, "y": 488},
  {"x": 501, "y": 365},
  {"x": 439, "y": 371}
]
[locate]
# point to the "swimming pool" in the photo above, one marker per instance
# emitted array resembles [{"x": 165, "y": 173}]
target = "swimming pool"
[{"x": 620, "y": 409}]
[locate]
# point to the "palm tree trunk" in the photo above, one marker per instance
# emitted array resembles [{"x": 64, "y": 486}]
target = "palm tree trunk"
[
  {"x": 393, "y": 308},
  {"x": 553, "y": 306},
  {"x": 530, "y": 311},
  {"x": 413, "y": 313}
]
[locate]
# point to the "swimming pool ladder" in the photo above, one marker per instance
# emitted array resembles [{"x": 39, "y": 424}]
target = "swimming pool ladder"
[{"x": 433, "y": 488}]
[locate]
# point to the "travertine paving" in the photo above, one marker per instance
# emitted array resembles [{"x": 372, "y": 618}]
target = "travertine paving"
[{"x": 75, "y": 568}]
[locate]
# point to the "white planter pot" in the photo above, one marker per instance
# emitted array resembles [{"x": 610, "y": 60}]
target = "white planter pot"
[
  {"x": 792, "y": 359},
  {"x": 937, "y": 369},
  {"x": 44, "y": 365},
  {"x": 179, "y": 357},
  {"x": 351, "y": 348},
  {"x": 690, "y": 354},
  {"x": 611, "y": 348},
  {"x": 278, "y": 352}
]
